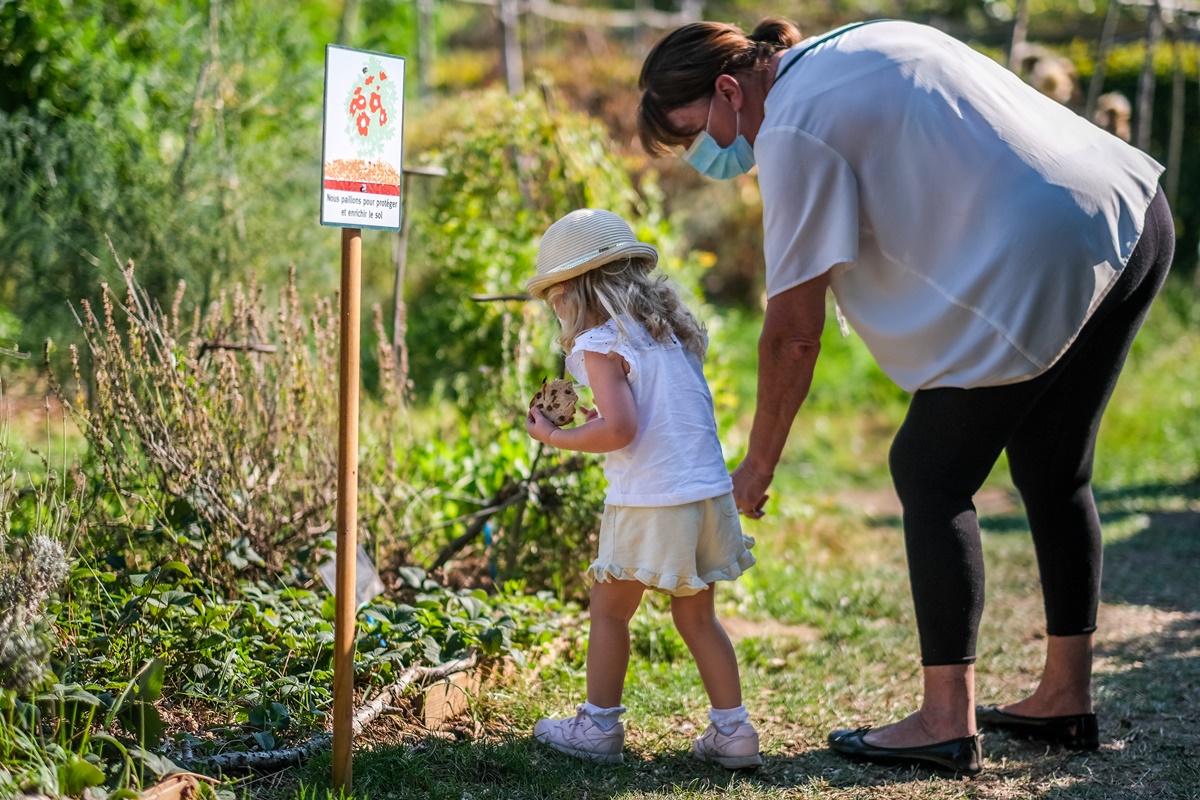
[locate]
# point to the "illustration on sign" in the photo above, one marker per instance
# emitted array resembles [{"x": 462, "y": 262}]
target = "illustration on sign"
[{"x": 363, "y": 142}]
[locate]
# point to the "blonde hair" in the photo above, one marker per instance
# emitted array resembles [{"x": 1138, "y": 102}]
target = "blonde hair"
[{"x": 626, "y": 289}]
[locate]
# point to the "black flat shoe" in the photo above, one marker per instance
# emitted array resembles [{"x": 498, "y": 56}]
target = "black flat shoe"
[
  {"x": 957, "y": 756},
  {"x": 1073, "y": 731}
]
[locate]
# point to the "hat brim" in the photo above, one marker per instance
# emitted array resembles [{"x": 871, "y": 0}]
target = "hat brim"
[{"x": 540, "y": 283}]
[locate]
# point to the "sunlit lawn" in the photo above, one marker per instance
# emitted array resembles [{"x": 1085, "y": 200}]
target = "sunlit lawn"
[{"x": 826, "y": 637}]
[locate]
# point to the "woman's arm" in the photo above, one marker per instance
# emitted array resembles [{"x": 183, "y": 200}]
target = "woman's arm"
[
  {"x": 787, "y": 354},
  {"x": 614, "y": 428}
]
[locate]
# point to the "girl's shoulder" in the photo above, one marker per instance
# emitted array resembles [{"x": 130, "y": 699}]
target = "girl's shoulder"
[
  {"x": 601, "y": 338},
  {"x": 627, "y": 334}
]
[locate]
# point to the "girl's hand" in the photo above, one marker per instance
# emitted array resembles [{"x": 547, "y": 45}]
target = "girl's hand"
[
  {"x": 589, "y": 414},
  {"x": 538, "y": 426}
]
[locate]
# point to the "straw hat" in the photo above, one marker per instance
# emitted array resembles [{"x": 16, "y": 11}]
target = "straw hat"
[{"x": 581, "y": 241}]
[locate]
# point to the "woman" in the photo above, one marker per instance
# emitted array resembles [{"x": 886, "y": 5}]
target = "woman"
[{"x": 997, "y": 254}]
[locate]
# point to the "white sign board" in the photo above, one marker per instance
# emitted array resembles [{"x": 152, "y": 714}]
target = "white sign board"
[
  {"x": 368, "y": 586},
  {"x": 363, "y": 139}
]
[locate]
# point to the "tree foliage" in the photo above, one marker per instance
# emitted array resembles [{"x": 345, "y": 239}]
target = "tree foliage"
[{"x": 186, "y": 132}]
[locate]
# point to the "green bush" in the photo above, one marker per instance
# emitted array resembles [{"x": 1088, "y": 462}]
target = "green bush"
[{"x": 514, "y": 166}]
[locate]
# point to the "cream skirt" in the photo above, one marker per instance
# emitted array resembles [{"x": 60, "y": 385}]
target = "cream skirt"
[{"x": 679, "y": 550}]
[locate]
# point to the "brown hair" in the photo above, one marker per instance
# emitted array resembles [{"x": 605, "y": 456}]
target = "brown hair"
[{"x": 684, "y": 65}]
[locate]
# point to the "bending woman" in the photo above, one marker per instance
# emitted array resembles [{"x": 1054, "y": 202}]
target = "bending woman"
[{"x": 997, "y": 254}]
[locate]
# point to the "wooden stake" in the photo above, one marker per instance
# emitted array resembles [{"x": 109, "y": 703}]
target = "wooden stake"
[
  {"x": 1175, "y": 138},
  {"x": 510, "y": 38},
  {"x": 1147, "y": 80},
  {"x": 347, "y": 512},
  {"x": 1096, "y": 84}
]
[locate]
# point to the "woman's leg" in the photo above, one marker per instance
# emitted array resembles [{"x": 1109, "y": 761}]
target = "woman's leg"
[
  {"x": 696, "y": 620},
  {"x": 942, "y": 454},
  {"x": 1051, "y": 454},
  {"x": 613, "y": 604}
]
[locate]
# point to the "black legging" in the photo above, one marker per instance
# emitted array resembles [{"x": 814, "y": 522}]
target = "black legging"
[{"x": 951, "y": 438}]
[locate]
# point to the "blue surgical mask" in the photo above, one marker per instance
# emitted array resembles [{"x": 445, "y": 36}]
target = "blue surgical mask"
[{"x": 722, "y": 163}]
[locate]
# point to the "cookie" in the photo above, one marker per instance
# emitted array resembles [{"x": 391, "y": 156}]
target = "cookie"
[{"x": 557, "y": 400}]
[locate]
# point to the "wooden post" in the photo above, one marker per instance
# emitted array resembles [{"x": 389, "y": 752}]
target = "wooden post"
[
  {"x": 1145, "y": 98},
  {"x": 1020, "y": 28},
  {"x": 347, "y": 512},
  {"x": 399, "y": 262},
  {"x": 424, "y": 46},
  {"x": 1175, "y": 139},
  {"x": 399, "y": 310},
  {"x": 1096, "y": 84},
  {"x": 510, "y": 27}
]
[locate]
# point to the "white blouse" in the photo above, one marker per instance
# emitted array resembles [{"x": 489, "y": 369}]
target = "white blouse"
[
  {"x": 970, "y": 225},
  {"x": 676, "y": 457}
]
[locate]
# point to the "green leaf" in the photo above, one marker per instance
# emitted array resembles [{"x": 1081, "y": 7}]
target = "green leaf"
[
  {"x": 161, "y": 766},
  {"x": 150, "y": 680},
  {"x": 178, "y": 566},
  {"x": 75, "y": 775},
  {"x": 492, "y": 640},
  {"x": 80, "y": 695},
  {"x": 143, "y": 721},
  {"x": 265, "y": 739},
  {"x": 176, "y": 597},
  {"x": 473, "y": 606},
  {"x": 411, "y": 576},
  {"x": 455, "y": 643}
]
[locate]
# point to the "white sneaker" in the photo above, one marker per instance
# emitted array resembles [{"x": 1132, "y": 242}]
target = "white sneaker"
[
  {"x": 736, "y": 750},
  {"x": 581, "y": 737}
]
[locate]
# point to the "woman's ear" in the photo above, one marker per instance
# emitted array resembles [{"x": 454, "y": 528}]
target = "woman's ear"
[{"x": 728, "y": 88}]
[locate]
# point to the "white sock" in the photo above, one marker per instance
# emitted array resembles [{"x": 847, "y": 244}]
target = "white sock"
[
  {"x": 728, "y": 719},
  {"x": 603, "y": 717}
]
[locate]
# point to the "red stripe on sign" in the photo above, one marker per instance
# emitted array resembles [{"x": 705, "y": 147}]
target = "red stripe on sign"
[{"x": 363, "y": 188}]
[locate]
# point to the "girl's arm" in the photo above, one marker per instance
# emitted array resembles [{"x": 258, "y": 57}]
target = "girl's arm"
[{"x": 614, "y": 428}]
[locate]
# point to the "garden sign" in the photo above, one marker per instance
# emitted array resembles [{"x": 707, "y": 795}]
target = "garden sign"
[
  {"x": 360, "y": 188},
  {"x": 363, "y": 141}
]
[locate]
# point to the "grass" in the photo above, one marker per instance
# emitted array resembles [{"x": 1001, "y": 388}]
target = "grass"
[
  {"x": 828, "y": 641},
  {"x": 826, "y": 638},
  {"x": 824, "y": 628}
]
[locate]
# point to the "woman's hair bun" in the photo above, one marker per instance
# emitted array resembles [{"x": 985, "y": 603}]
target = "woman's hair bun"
[{"x": 778, "y": 32}]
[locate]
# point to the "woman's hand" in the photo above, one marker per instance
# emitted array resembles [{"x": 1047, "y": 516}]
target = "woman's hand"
[{"x": 750, "y": 490}]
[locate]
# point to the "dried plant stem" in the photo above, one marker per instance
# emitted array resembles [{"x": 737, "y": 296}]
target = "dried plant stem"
[{"x": 364, "y": 716}]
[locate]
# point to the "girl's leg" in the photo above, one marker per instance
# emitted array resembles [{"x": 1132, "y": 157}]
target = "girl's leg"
[
  {"x": 696, "y": 620},
  {"x": 613, "y": 604},
  {"x": 730, "y": 741}
]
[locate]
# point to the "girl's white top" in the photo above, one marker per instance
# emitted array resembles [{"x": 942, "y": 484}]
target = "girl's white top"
[
  {"x": 970, "y": 224},
  {"x": 676, "y": 456}
]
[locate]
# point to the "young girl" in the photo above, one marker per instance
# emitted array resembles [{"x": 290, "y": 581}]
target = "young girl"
[{"x": 669, "y": 521}]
